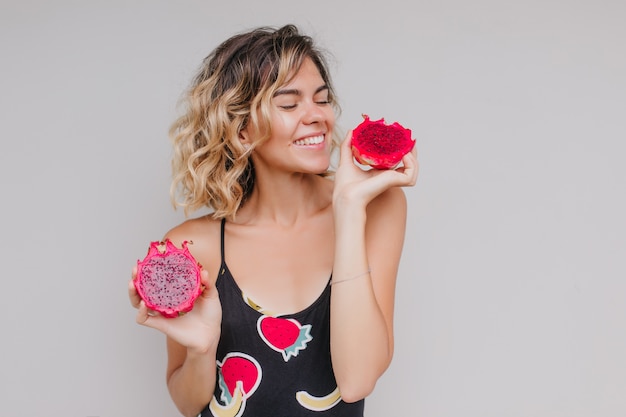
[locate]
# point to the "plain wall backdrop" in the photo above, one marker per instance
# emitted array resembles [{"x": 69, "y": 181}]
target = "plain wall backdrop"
[{"x": 511, "y": 298}]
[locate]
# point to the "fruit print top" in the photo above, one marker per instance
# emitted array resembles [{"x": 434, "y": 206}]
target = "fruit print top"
[{"x": 276, "y": 366}]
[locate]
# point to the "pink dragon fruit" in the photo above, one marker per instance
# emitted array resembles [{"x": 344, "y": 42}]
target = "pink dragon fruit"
[
  {"x": 168, "y": 279},
  {"x": 380, "y": 145}
]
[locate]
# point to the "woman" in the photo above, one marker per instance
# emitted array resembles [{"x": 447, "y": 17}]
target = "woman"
[{"x": 297, "y": 315}]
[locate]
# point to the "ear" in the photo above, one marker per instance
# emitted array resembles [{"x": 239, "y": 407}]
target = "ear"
[{"x": 244, "y": 137}]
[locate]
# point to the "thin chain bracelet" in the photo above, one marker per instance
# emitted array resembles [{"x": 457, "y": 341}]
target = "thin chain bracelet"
[{"x": 369, "y": 270}]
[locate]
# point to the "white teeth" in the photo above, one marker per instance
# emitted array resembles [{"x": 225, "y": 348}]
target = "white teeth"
[{"x": 314, "y": 140}]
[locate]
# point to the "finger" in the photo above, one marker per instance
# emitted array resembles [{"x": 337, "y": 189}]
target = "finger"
[
  {"x": 207, "y": 283},
  {"x": 132, "y": 294},
  {"x": 142, "y": 314},
  {"x": 410, "y": 167},
  {"x": 346, "y": 148},
  {"x": 210, "y": 293},
  {"x": 204, "y": 278},
  {"x": 404, "y": 175},
  {"x": 149, "y": 318},
  {"x": 412, "y": 157}
]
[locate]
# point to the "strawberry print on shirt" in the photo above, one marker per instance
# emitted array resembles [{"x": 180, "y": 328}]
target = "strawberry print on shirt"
[
  {"x": 239, "y": 375},
  {"x": 286, "y": 336}
]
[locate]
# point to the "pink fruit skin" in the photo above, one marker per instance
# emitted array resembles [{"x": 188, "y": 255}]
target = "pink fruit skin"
[
  {"x": 379, "y": 145},
  {"x": 168, "y": 279}
]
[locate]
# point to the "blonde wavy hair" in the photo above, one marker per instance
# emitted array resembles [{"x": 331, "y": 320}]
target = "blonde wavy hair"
[{"x": 232, "y": 91}]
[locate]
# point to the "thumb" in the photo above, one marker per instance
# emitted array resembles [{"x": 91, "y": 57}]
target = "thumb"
[
  {"x": 209, "y": 289},
  {"x": 148, "y": 318},
  {"x": 345, "y": 154},
  {"x": 209, "y": 292}
]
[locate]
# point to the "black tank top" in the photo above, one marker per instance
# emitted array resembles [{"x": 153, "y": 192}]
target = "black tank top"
[{"x": 274, "y": 366}]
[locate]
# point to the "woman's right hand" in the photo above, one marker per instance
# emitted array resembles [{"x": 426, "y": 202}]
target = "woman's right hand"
[{"x": 197, "y": 330}]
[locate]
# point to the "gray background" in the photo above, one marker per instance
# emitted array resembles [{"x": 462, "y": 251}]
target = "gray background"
[{"x": 511, "y": 295}]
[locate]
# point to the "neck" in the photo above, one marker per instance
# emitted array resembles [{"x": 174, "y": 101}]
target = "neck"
[{"x": 285, "y": 200}]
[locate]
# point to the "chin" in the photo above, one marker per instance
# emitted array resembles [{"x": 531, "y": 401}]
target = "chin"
[{"x": 319, "y": 168}]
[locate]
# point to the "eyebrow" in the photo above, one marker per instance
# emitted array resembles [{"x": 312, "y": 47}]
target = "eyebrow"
[{"x": 296, "y": 92}]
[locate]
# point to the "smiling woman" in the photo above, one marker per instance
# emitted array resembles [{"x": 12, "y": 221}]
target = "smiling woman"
[
  {"x": 271, "y": 335},
  {"x": 302, "y": 122}
]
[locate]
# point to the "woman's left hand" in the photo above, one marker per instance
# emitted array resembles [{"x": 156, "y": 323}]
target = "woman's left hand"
[{"x": 354, "y": 184}]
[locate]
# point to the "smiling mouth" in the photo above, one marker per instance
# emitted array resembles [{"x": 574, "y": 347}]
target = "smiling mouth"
[{"x": 313, "y": 140}]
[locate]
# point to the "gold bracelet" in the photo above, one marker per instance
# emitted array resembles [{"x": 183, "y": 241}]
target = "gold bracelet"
[{"x": 332, "y": 282}]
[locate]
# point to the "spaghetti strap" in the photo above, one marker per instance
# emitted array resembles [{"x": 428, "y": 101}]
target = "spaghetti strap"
[{"x": 222, "y": 240}]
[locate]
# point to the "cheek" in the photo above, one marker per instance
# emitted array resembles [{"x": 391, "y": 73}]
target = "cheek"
[
  {"x": 331, "y": 117},
  {"x": 283, "y": 124},
  {"x": 330, "y": 121},
  {"x": 280, "y": 121},
  {"x": 330, "y": 114}
]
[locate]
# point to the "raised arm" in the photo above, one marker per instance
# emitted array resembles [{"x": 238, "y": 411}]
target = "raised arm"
[{"x": 370, "y": 217}]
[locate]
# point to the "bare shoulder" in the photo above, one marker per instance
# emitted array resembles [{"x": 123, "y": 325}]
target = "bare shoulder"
[
  {"x": 388, "y": 205},
  {"x": 203, "y": 237},
  {"x": 195, "y": 229}
]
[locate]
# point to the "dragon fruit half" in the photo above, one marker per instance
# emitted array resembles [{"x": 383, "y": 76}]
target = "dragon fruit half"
[
  {"x": 168, "y": 279},
  {"x": 380, "y": 145}
]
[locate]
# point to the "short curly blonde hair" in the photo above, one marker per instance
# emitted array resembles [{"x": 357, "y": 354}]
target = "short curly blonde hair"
[{"x": 233, "y": 90}]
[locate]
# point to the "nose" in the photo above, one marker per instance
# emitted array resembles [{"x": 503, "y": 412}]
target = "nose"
[{"x": 313, "y": 113}]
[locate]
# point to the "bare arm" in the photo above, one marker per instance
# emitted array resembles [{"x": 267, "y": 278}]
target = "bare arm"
[
  {"x": 190, "y": 377},
  {"x": 370, "y": 216},
  {"x": 191, "y": 341}
]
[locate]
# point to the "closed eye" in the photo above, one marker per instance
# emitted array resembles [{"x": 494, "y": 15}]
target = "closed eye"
[{"x": 297, "y": 93}]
